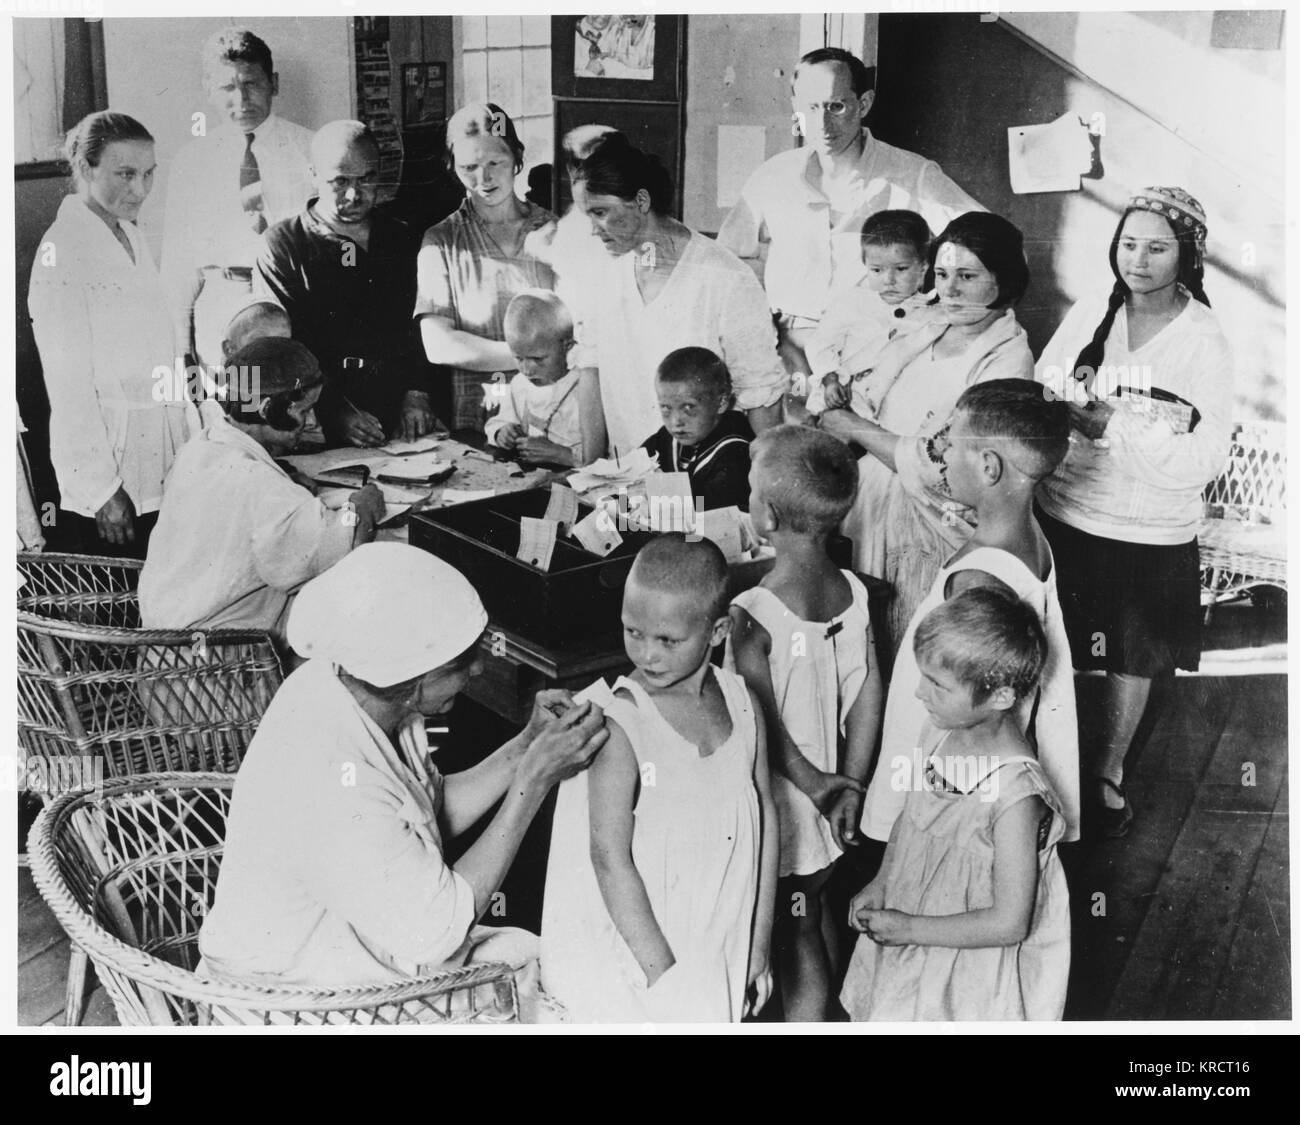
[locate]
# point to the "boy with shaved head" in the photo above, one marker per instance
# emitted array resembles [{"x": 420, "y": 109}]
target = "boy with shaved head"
[
  {"x": 344, "y": 270},
  {"x": 537, "y": 411},
  {"x": 659, "y": 888}
]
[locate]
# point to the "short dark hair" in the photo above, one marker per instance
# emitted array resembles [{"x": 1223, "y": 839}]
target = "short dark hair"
[
  {"x": 1024, "y": 412},
  {"x": 808, "y": 476},
  {"x": 695, "y": 365},
  {"x": 898, "y": 228},
  {"x": 614, "y": 166},
  {"x": 997, "y": 243},
  {"x": 238, "y": 45},
  {"x": 692, "y": 567},
  {"x": 988, "y": 638},
  {"x": 286, "y": 371},
  {"x": 861, "y": 76},
  {"x": 483, "y": 119},
  {"x": 87, "y": 139}
]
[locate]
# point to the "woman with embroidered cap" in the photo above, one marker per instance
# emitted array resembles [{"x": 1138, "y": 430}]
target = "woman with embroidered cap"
[
  {"x": 333, "y": 872},
  {"x": 903, "y": 523},
  {"x": 1147, "y": 374}
]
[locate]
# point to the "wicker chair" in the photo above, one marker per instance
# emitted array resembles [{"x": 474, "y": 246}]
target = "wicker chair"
[
  {"x": 130, "y": 874},
  {"x": 100, "y": 697},
  {"x": 1243, "y": 533}
]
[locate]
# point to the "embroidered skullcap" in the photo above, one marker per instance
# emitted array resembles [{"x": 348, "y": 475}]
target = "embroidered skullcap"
[
  {"x": 1182, "y": 211},
  {"x": 385, "y": 613}
]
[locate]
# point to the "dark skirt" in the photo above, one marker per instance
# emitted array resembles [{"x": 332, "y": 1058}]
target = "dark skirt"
[{"x": 1128, "y": 607}]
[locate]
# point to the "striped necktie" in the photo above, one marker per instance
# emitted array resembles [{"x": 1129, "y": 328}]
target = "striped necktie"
[{"x": 250, "y": 187}]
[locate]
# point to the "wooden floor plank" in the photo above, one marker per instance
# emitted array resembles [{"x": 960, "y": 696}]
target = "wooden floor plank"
[
  {"x": 38, "y": 930},
  {"x": 1256, "y": 980},
  {"x": 1126, "y": 874},
  {"x": 1182, "y": 946},
  {"x": 42, "y": 983}
]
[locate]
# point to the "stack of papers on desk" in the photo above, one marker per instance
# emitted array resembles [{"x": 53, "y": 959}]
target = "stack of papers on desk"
[{"x": 609, "y": 474}]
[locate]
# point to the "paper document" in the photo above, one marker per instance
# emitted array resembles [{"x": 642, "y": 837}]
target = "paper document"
[
  {"x": 465, "y": 495},
  {"x": 723, "y": 527},
  {"x": 597, "y": 533},
  {"x": 537, "y": 541},
  {"x": 670, "y": 502},
  {"x": 563, "y": 506}
]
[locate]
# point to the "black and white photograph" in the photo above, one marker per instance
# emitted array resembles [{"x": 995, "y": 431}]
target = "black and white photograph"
[{"x": 655, "y": 520}]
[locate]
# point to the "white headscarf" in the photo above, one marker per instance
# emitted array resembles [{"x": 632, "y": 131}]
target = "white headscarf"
[{"x": 385, "y": 613}]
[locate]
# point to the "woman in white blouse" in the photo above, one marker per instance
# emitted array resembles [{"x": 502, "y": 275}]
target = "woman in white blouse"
[
  {"x": 664, "y": 287},
  {"x": 117, "y": 414}
]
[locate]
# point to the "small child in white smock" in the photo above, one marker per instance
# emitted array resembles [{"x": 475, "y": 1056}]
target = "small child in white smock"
[{"x": 885, "y": 303}]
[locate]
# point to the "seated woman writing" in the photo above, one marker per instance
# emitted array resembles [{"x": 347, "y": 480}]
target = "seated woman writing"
[
  {"x": 334, "y": 871},
  {"x": 237, "y": 535}
]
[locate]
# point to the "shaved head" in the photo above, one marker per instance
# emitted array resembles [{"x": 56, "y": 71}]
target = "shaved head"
[
  {"x": 335, "y": 140},
  {"x": 693, "y": 569}
]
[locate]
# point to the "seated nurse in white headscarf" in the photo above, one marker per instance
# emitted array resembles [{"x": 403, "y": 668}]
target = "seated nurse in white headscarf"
[{"x": 333, "y": 871}]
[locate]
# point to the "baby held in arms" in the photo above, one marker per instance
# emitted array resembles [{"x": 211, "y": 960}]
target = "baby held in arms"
[
  {"x": 886, "y": 303},
  {"x": 661, "y": 877}
]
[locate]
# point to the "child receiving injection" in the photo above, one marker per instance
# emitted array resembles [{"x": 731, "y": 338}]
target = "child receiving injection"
[
  {"x": 660, "y": 880},
  {"x": 802, "y": 641},
  {"x": 969, "y": 917},
  {"x": 537, "y": 411},
  {"x": 861, "y": 321}
]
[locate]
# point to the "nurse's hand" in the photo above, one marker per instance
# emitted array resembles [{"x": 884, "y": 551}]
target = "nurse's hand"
[
  {"x": 115, "y": 520},
  {"x": 564, "y": 746}
]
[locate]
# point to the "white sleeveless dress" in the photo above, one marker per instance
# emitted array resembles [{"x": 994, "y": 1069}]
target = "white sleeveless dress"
[
  {"x": 818, "y": 668},
  {"x": 696, "y": 847}
]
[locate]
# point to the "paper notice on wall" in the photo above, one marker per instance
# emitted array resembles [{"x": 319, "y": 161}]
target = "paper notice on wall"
[
  {"x": 741, "y": 149},
  {"x": 1049, "y": 157}
]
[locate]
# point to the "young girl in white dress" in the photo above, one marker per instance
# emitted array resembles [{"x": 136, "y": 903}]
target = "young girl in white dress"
[
  {"x": 659, "y": 886},
  {"x": 802, "y": 640}
]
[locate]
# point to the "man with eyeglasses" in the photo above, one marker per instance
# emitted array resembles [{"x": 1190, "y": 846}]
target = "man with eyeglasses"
[
  {"x": 344, "y": 271},
  {"x": 800, "y": 214},
  {"x": 225, "y": 188}
]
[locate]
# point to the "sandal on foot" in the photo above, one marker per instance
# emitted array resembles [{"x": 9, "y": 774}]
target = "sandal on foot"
[{"x": 1114, "y": 823}]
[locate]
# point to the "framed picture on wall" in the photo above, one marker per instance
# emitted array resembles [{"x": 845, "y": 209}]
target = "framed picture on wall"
[
  {"x": 627, "y": 58},
  {"x": 656, "y": 129},
  {"x": 424, "y": 94}
]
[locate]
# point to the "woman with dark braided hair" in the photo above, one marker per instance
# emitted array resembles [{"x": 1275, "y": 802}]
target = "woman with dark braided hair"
[{"x": 1147, "y": 375}]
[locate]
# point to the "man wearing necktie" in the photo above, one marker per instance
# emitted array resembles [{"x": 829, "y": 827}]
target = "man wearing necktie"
[{"x": 247, "y": 171}]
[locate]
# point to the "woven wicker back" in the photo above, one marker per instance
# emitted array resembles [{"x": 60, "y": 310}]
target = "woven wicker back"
[
  {"x": 130, "y": 874},
  {"x": 1252, "y": 485},
  {"x": 83, "y": 588},
  {"x": 92, "y": 685}
]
